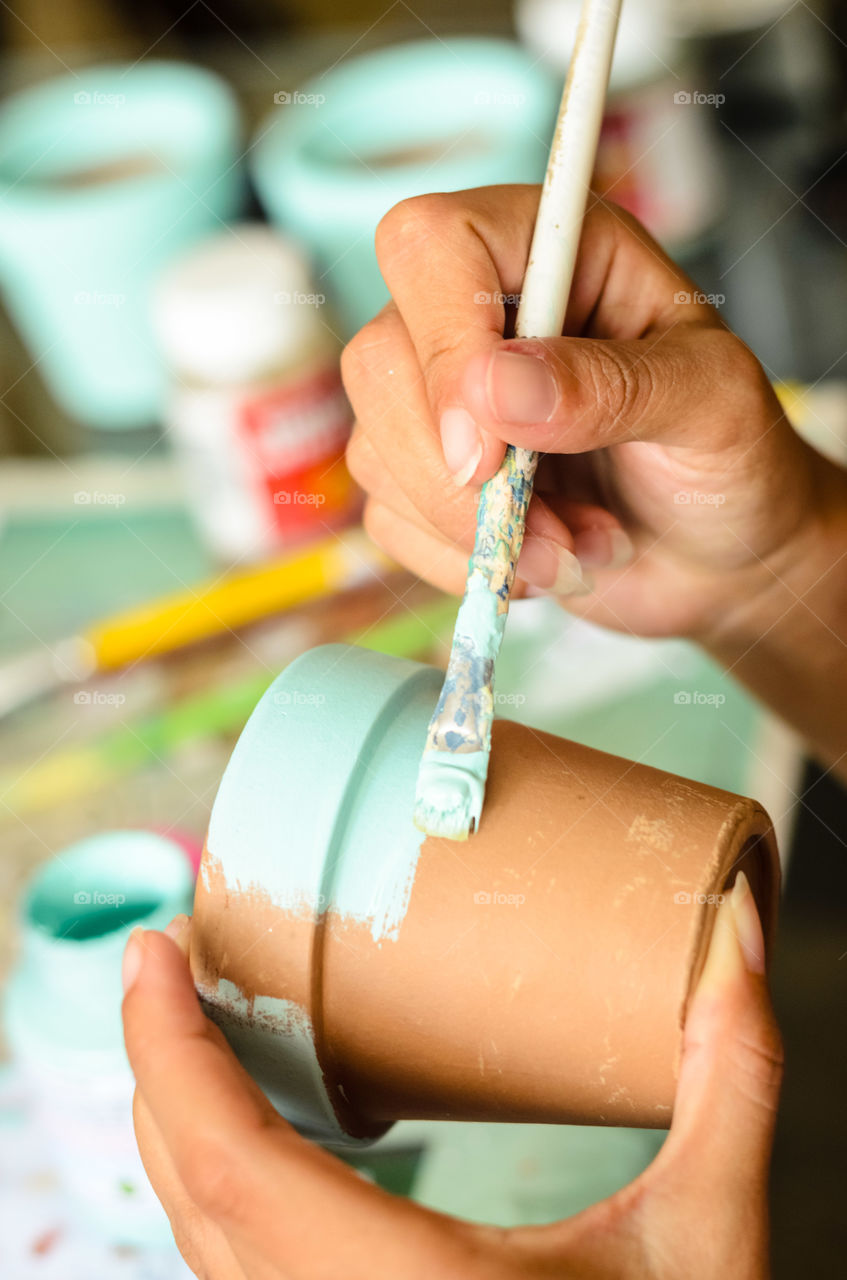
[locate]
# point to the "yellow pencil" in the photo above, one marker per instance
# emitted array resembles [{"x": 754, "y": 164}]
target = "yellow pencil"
[{"x": 171, "y": 622}]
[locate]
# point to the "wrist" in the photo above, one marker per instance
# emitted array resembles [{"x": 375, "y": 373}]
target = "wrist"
[{"x": 788, "y": 595}]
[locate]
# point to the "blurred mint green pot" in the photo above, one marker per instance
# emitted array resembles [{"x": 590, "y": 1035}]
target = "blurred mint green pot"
[
  {"x": 428, "y": 116},
  {"x": 105, "y": 175},
  {"x": 63, "y": 1017}
]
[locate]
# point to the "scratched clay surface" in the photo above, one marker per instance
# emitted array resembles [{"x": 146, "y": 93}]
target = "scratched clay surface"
[{"x": 542, "y": 968}]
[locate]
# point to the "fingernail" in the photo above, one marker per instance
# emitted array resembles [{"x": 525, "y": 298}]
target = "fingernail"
[
  {"x": 521, "y": 388},
  {"x": 545, "y": 564},
  {"x": 737, "y": 941},
  {"x": 133, "y": 956},
  {"x": 177, "y": 927},
  {"x": 602, "y": 548},
  {"x": 461, "y": 442},
  {"x": 723, "y": 964},
  {"x": 748, "y": 926}
]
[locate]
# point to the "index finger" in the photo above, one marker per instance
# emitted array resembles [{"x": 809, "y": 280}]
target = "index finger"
[
  {"x": 455, "y": 262},
  {"x": 243, "y": 1166}
]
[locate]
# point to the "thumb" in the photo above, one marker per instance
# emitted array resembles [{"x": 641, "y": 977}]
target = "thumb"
[
  {"x": 572, "y": 395},
  {"x": 731, "y": 1069}
]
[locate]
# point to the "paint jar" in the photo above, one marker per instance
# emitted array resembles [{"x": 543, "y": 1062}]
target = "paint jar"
[
  {"x": 432, "y": 115},
  {"x": 256, "y": 409},
  {"x": 63, "y": 1018},
  {"x": 656, "y": 155},
  {"x": 538, "y": 971},
  {"x": 105, "y": 175}
]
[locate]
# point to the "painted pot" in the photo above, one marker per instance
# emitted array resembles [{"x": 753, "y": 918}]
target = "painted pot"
[
  {"x": 537, "y": 972},
  {"x": 105, "y": 175},
  {"x": 62, "y": 1018},
  {"x": 431, "y": 115}
]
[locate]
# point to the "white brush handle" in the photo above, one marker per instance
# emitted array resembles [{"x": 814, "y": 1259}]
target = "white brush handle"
[
  {"x": 451, "y": 779},
  {"x": 558, "y": 225}
]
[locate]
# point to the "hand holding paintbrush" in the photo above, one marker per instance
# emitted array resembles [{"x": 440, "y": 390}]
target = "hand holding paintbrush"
[{"x": 451, "y": 782}]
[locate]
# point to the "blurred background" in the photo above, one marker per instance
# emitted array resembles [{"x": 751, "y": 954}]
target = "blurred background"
[{"x": 188, "y": 195}]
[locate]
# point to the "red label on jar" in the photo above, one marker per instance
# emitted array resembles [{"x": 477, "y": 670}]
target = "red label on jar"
[{"x": 296, "y": 435}]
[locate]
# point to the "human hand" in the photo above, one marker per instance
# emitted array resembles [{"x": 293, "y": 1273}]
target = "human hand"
[
  {"x": 670, "y": 475},
  {"x": 248, "y": 1199}
]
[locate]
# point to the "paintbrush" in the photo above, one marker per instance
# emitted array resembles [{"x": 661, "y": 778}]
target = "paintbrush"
[{"x": 454, "y": 767}]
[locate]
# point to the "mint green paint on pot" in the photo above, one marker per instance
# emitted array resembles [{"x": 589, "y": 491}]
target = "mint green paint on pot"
[
  {"x": 314, "y": 813},
  {"x": 63, "y": 1015},
  {"x": 315, "y": 807}
]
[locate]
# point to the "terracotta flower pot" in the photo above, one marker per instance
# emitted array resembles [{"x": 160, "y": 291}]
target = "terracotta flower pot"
[{"x": 537, "y": 972}]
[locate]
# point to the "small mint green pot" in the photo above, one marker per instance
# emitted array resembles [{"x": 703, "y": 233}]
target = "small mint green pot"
[
  {"x": 432, "y": 115},
  {"x": 63, "y": 1016},
  {"x": 105, "y": 175}
]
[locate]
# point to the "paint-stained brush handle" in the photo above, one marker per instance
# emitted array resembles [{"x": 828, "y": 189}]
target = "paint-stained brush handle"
[{"x": 454, "y": 767}]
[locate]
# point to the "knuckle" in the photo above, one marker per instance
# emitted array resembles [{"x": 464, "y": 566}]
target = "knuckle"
[
  {"x": 377, "y": 521},
  {"x": 216, "y": 1181},
  {"x": 369, "y": 357},
  {"x": 759, "y": 1063},
  {"x": 744, "y": 383},
  {"x": 624, "y": 388},
  {"x": 409, "y": 224},
  {"x": 355, "y": 360},
  {"x": 361, "y": 457}
]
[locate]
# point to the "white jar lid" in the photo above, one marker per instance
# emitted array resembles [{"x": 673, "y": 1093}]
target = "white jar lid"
[{"x": 239, "y": 303}]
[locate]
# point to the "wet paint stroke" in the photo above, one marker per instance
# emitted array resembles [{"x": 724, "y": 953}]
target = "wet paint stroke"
[{"x": 454, "y": 767}]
